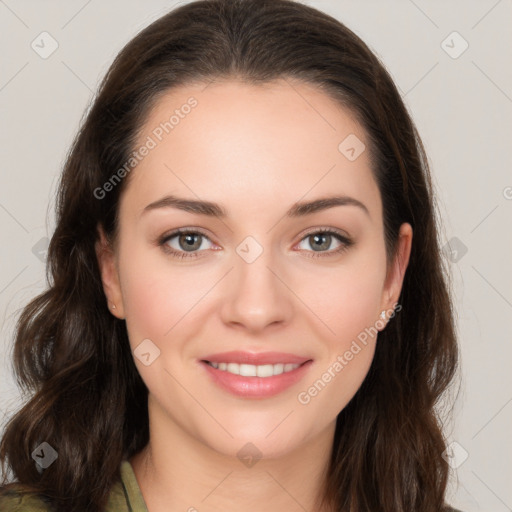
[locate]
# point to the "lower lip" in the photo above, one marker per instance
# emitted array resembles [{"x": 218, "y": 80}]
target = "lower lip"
[{"x": 256, "y": 387}]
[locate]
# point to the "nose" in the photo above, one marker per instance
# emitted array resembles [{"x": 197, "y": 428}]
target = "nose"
[{"x": 256, "y": 295}]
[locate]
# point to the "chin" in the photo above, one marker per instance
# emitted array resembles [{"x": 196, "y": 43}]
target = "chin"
[{"x": 267, "y": 439}]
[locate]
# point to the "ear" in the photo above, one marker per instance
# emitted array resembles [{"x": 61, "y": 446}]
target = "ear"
[
  {"x": 109, "y": 274},
  {"x": 396, "y": 270}
]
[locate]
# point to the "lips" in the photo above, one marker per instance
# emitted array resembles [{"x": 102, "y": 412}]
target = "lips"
[{"x": 255, "y": 386}]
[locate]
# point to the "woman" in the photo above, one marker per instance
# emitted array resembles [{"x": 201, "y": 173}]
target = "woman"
[{"x": 247, "y": 308}]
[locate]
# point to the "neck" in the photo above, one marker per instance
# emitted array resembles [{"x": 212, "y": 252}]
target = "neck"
[{"x": 176, "y": 471}]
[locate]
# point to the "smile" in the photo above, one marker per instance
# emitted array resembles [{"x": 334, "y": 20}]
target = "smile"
[
  {"x": 251, "y": 370},
  {"x": 255, "y": 381}
]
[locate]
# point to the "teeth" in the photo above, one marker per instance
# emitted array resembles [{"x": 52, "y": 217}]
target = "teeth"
[{"x": 251, "y": 370}]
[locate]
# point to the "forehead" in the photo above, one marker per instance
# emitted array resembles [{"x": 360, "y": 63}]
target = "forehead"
[{"x": 233, "y": 141}]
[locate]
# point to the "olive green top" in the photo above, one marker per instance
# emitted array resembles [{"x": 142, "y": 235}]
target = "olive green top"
[{"x": 125, "y": 496}]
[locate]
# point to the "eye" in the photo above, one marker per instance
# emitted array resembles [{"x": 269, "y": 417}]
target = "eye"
[
  {"x": 184, "y": 243},
  {"x": 321, "y": 240},
  {"x": 187, "y": 243}
]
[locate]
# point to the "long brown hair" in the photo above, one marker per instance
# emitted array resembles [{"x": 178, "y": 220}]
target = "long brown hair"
[{"x": 73, "y": 356}]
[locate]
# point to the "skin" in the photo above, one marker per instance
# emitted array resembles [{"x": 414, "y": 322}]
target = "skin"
[{"x": 256, "y": 150}]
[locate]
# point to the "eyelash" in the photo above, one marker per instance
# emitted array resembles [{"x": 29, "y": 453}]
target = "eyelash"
[{"x": 346, "y": 243}]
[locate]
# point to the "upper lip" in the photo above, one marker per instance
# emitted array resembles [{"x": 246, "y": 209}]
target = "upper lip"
[{"x": 256, "y": 359}]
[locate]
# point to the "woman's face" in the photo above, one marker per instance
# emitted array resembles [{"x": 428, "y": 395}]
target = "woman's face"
[{"x": 282, "y": 162}]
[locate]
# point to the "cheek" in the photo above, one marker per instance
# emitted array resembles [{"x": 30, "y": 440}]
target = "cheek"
[
  {"x": 145, "y": 301},
  {"x": 157, "y": 296},
  {"x": 347, "y": 300},
  {"x": 159, "y": 302}
]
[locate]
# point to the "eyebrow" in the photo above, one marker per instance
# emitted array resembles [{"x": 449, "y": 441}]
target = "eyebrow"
[{"x": 212, "y": 209}]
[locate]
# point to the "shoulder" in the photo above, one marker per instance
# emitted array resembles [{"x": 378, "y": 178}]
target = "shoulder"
[
  {"x": 19, "y": 501},
  {"x": 124, "y": 496}
]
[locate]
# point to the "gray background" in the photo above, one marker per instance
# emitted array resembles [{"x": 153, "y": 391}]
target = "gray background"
[{"x": 461, "y": 102}]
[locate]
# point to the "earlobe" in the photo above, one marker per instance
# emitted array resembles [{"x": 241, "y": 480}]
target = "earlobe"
[{"x": 109, "y": 274}]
